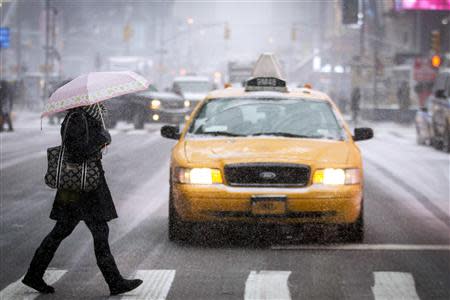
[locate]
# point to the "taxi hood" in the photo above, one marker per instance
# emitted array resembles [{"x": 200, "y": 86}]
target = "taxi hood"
[{"x": 265, "y": 149}]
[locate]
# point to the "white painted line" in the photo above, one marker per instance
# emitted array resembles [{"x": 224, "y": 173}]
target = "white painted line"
[
  {"x": 156, "y": 285},
  {"x": 16, "y": 161},
  {"x": 265, "y": 285},
  {"x": 17, "y": 290},
  {"x": 394, "y": 286},
  {"x": 366, "y": 247}
]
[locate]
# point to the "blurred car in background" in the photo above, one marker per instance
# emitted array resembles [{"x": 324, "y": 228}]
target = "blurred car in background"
[
  {"x": 440, "y": 111},
  {"x": 168, "y": 107},
  {"x": 127, "y": 108},
  {"x": 192, "y": 88},
  {"x": 423, "y": 124}
]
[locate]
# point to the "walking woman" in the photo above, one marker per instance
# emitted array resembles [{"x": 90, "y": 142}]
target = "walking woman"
[{"x": 84, "y": 137}]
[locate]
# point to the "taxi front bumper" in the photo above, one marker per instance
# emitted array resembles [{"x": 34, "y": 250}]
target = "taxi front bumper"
[{"x": 312, "y": 204}]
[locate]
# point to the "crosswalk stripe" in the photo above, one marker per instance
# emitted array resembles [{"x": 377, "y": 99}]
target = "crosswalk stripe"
[
  {"x": 363, "y": 247},
  {"x": 156, "y": 285},
  {"x": 394, "y": 286},
  {"x": 265, "y": 285},
  {"x": 17, "y": 290}
]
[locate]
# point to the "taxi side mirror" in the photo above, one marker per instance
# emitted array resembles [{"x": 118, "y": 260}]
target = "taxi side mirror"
[
  {"x": 170, "y": 132},
  {"x": 362, "y": 134}
]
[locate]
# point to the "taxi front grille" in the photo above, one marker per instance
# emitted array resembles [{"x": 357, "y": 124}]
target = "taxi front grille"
[{"x": 267, "y": 175}]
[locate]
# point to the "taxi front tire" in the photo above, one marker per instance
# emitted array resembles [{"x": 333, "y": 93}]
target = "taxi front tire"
[
  {"x": 354, "y": 232},
  {"x": 179, "y": 230}
]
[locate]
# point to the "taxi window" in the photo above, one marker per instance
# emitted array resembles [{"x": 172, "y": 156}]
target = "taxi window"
[{"x": 257, "y": 117}]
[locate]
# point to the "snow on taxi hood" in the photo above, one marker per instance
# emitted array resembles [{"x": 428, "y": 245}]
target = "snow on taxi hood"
[{"x": 265, "y": 149}]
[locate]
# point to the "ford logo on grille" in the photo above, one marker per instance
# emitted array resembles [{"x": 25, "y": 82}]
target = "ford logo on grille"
[{"x": 267, "y": 175}]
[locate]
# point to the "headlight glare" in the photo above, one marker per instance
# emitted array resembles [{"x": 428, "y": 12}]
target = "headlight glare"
[
  {"x": 187, "y": 103},
  {"x": 199, "y": 176},
  {"x": 155, "y": 104},
  {"x": 330, "y": 176}
]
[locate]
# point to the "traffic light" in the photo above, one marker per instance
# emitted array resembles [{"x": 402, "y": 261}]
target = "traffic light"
[
  {"x": 127, "y": 33},
  {"x": 350, "y": 9},
  {"x": 226, "y": 33},
  {"x": 294, "y": 34},
  {"x": 436, "y": 61},
  {"x": 436, "y": 41}
]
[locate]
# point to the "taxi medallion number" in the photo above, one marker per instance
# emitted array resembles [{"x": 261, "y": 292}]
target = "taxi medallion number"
[{"x": 268, "y": 205}]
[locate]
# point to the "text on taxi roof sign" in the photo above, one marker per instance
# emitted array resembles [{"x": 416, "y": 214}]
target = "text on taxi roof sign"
[{"x": 266, "y": 84}]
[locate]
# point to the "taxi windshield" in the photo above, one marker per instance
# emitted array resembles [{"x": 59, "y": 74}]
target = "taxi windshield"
[{"x": 296, "y": 118}]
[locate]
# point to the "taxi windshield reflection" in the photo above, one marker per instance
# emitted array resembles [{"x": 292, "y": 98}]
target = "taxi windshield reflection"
[{"x": 292, "y": 118}]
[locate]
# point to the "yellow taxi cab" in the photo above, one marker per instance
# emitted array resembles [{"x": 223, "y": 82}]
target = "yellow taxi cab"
[{"x": 264, "y": 154}]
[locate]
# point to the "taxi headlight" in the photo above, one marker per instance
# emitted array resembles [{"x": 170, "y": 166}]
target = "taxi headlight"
[
  {"x": 155, "y": 104},
  {"x": 331, "y": 176},
  {"x": 199, "y": 176},
  {"x": 187, "y": 103}
]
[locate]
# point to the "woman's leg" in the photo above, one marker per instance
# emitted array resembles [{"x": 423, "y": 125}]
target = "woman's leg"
[
  {"x": 105, "y": 260},
  {"x": 44, "y": 254}
]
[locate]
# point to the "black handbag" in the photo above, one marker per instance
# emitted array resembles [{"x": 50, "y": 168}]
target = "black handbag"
[{"x": 61, "y": 174}]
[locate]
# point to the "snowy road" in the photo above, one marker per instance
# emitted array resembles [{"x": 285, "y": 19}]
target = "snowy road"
[{"x": 406, "y": 254}]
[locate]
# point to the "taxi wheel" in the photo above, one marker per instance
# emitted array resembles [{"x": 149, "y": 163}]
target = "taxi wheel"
[
  {"x": 354, "y": 232},
  {"x": 179, "y": 230}
]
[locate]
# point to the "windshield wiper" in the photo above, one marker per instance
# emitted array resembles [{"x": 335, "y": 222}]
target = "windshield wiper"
[
  {"x": 218, "y": 133},
  {"x": 286, "y": 134}
]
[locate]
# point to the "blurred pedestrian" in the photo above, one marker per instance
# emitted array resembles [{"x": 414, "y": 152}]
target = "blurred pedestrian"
[
  {"x": 403, "y": 96},
  {"x": 84, "y": 137},
  {"x": 6, "y": 98},
  {"x": 355, "y": 103},
  {"x": 342, "y": 101}
]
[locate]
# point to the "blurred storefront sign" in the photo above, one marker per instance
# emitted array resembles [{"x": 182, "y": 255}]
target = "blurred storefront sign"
[
  {"x": 423, "y": 70},
  {"x": 422, "y": 5},
  {"x": 4, "y": 37}
]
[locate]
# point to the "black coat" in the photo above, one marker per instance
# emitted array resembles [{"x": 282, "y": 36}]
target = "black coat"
[{"x": 94, "y": 205}]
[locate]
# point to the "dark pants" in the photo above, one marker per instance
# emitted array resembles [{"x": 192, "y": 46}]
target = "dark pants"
[
  {"x": 6, "y": 117},
  {"x": 63, "y": 229}
]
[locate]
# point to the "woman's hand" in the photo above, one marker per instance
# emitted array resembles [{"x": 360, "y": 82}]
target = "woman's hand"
[{"x": 107, "y": 136}]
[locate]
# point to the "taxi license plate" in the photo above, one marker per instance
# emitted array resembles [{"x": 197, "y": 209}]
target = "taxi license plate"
[{"x": 268, "y": 205}]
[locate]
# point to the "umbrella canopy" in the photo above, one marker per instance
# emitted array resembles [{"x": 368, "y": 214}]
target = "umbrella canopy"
[{"x": 93, "y": 88}]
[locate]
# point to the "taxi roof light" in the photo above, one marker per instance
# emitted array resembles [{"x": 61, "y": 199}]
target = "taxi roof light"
[
  {"x": 267, "y": 65},
  {"x": 267, "y": 75}
]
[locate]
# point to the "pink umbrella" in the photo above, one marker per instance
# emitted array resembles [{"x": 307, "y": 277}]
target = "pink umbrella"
[{"x": 93, "y": 88}]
